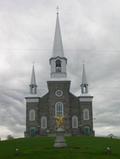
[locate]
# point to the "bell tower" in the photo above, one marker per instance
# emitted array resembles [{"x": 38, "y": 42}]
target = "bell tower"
[
  {"x": 58, "y": 85},
  {"x": 58, "y": 61},
  {"x": 86, "y": 107}
]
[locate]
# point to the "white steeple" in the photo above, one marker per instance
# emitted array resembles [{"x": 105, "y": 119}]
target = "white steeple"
[
  {"x": 33, "y": 85},
  {"x": 58, "y": 61},
  {"x": 33, "y": 79},
  {"x": 58, "y": 46},
  {"x": 84, "y": 84},
  {"x": 84, "y": 79}
]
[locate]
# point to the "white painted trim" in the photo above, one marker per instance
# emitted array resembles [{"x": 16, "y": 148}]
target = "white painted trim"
[
  {"x": 32, "y": 115},
  {"x": 59, "y": 108},
  {"x": 32, "y": 100},
  {"x": 85, "y": 99},
  {"x": 86, "y": 114},
  {"x": 44, "y": 122},
  {"x": 32, "y": 95},
  {"x": 74, "y": 119}
]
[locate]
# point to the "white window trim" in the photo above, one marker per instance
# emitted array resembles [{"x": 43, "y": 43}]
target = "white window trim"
[
  {"x": 44, "y": 125},
  {"x": 32, "y": 115},
  {"x": 32, "y": 100},
  {"x": 62, "y": 109},
  {"x": 84, "y": 114},
  {"x": 74, "y": 119}
]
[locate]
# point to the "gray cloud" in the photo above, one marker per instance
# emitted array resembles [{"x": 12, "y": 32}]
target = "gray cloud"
[{"x": 90, "y": 31}]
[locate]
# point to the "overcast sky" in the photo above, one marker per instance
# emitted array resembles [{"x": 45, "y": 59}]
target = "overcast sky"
[{"x": 90, "y": 32}]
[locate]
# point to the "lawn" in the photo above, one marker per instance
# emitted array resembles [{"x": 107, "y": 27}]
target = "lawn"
[{"x": 42, "y": 148}]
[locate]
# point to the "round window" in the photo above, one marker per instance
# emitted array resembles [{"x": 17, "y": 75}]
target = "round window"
[{"x": 59, "y": 93}]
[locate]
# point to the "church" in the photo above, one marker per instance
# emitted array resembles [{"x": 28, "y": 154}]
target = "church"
[{"x": 59, "y": 101}]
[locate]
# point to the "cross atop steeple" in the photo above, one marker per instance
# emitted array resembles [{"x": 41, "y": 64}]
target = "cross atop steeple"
[{"x": 57, "y": 8}]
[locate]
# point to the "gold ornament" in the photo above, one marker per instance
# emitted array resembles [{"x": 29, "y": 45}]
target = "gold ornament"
[{"x": 59, "y": 121}]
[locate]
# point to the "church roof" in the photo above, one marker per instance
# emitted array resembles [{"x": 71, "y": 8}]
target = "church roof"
[
  {"x": 84, "y": 78},
  {"x": 33, "y": 79},
  {"x": 58, "y": 45}
]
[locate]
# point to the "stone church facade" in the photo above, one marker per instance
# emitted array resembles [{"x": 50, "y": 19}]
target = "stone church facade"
[{"x": 59, "y": 101}]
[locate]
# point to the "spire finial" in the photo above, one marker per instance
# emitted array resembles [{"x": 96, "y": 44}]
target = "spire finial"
[{"x": 57, "y": 9}]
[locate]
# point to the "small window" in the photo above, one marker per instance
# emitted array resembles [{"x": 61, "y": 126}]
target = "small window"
[
  {"x": 74, "y": 122},
  {"x": 86, "y": 114},
  {"x": 58, "y": 63},
  {"x": 84, "y": 89},
  {"x": 59, "y": 110},
  {"x": 43, "y": 122},
  {"x": 32, "y": 115},
  {"x": 58, "y": 66}
]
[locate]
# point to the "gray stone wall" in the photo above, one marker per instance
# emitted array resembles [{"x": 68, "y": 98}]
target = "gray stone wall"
[
  {"x": 89, "y": 123},
  {"x": 46, "y": 107},
  {"x": 44, "y": 111},
  {"x": 29, "y": 106},
  {"x": 53, "y": 86},
  {"x": 74, "y": 111}
]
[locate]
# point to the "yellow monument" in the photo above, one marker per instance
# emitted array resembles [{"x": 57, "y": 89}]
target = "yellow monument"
[
  {"x": 59, "y": 121},
  {"x": 59, "y": 141}
]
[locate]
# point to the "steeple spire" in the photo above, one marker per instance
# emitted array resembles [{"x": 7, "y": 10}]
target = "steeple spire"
[
  {"x": 33, "y": 85},
  {"x": 84, "y": 85},
  {"x": 58, "y": 62},
  {"x": 84, "y": 79},
  {"x": 58, "y": 46}
]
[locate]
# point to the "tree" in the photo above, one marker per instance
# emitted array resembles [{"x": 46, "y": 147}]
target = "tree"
[{"x": 10, "y": 137}]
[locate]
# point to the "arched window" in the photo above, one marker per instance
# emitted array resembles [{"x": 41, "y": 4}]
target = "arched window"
[
  {"x": 87, "y": 130},
  {"x": 58, "y": 66},
  {"x": 59, "y": 110},
  {"x": 43, "y": 122},
  {"x": 32, "y": 115},
  {"x": 74, "y": 122},
  {"x": 86, "y": 115},
  {"x": 84, "y": 89}
]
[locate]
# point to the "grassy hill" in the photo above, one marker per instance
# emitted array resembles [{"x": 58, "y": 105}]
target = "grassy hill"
[{"x": 42, "y": 148}]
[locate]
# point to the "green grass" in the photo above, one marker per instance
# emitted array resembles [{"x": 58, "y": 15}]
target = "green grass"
[{"x": 42, "y": 148}]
